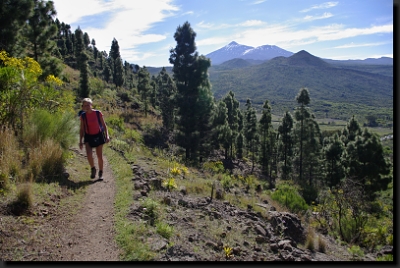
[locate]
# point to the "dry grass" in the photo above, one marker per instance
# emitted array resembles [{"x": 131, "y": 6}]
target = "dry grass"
[
  {"x": 10, "y": 157},
  {"x": 321, "y": 244},
  {"x": 46, "y": 162},
  {"x": 309, "y": 244},
  {"x": 24, "y": 199}
]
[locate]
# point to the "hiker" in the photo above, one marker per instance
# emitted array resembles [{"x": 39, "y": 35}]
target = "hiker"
[{"x": 93, "y": 133}]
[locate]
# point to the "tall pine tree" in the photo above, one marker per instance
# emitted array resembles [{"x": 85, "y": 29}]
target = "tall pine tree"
[
  {"x": 81, "y": 59},
  {"x": 40, "y": 33},
  {"x": 286, "y": 144},
  {"x": 194, "y": 98},
  {"x": 116, "y": 66}
]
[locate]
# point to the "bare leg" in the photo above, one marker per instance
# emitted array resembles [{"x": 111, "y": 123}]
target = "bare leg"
[
  {"x": 89, "y": 154},
  {"x": 99, "y": 153}
]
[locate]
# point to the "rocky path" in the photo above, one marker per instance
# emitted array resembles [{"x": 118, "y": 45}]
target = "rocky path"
[{"x": 91, "y": 235}]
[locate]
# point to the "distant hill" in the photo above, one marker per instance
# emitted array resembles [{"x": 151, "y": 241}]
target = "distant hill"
[
  {"x": 371, "y": 61},
  {"x": 334, "y": 90},
  {"x": 338, "y": 89}
]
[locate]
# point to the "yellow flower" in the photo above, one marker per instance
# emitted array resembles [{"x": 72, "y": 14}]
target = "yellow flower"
[
  {"x": 52, "y": 79},
  {"x": 185, "y": 170},
  {"x": 228, "y": 251},
  {"x": 170, "y": 184},
  {"x": 175, "y": 171}
]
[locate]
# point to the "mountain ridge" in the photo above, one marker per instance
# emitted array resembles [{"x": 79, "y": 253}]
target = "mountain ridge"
[
  {"x": 267, "y": 52},
  {"x": 235, "y": 50}
]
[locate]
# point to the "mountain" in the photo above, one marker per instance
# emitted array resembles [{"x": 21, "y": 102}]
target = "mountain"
[
  {"x": 371, "y": 61},
  {"x": 234, "y": 50},
  {"x": 335, "y": 91}
]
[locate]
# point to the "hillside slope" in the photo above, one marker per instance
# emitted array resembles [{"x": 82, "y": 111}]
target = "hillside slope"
[{"x": 280, "y": 79}]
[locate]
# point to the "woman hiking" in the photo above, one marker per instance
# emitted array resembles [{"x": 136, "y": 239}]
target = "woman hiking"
[{"x": 93, "y": 133}]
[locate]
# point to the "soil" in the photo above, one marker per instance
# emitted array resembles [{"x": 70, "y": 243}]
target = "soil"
[
  {"x": 89, "y": 235},
  {"x": 46, "y": 233}
]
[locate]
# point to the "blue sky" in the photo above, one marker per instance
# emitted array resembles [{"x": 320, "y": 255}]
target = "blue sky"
[{"x": 345, "y": 29}]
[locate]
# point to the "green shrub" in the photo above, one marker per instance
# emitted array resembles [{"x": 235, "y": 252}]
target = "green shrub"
[
  {"x": 216, "y": 167},
  {"x": 133, "y": 135},
  {"x": 115, "y": 122},
  {"x": 151, "y": 210},
  {"x": 356, "y": 252},
  {"x": 43, "y": 125},
  {"x": 226, "y": 181},
  {"x": 164, "y": 229},
  {"x": 288, "y": 196},
  {"x": 388, "y": 257}
]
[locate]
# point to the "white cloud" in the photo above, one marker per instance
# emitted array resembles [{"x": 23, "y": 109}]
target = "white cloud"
[
  {"x": 128, "y": 23},
  {"x": 258, "y": 2},
  {"x": 352, "y": 45},
  {"x": 251, "y": 23},
  {"x": 204, "y": 25},
  {"x": 324, "y": 16},
  {"x": 68, "y": 12},
  {"x": 288, "y": 36},
  {"x": 336, "y": 33},
  {"x": 321, "y": 6}
]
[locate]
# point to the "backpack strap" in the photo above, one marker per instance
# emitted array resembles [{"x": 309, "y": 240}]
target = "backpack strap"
[
  {"x": 85, "y": 122},
  {"x": 98, "y": 118}
]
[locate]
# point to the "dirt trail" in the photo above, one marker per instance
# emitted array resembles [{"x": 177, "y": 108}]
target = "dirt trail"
[{"x": 91, "y": 234}]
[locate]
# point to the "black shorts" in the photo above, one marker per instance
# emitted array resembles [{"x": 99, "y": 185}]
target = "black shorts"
[{"x": 95, "y": 140}]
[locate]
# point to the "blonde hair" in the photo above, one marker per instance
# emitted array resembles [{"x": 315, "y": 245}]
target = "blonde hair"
[{"x": 89, "y": 100}]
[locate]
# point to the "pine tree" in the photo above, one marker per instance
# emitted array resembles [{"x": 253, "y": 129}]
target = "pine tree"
[
  {"x": 265, "y": 127},
  {"x": 366, "y": 163},
  {"x": 250, "y": 131},
  {"x": 302, "y": 114},
  {"x": 286, "y": 144},
  {"x": 351, "y": 131},
  {"x": 144, "y": 87},
  {"x": 13, "y": 17},
  {"x": 82, "y": 58},
  {"x": 194, "y": 98},
  {"x": 116, "y": 66},
  {"x": 41, "y": 32},
  {"x": 333, "y": 150},
  {"x": 167, "y": 91},
  {"x": 222, "y": 133},
  {"x": 232, "y": 104}
]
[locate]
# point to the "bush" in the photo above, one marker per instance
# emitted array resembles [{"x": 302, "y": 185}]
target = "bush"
[
  {"x": 46, "y": 163},
  {"x": 288, "y": 196},
  {"x": 321, "y": 244},
  {"x": 43, "y": 125},
  {"x": 10, "y": 158},
  {"x": 24, "y": 199},
  {"x": 164, "y": 229},
  {"x": 151, "y": 210},
  {"x": 309, "y": 244}
]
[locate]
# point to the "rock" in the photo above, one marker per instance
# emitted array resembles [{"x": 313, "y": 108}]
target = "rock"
[
  {"x": 285, "y": 244},
  {"x": 156, "y": 183},
  {"x": 260, "y": 230},
  {"x": 260, "y": 239},
  {"x": 219, "y": 194},
  {"x": 288, "y": 224},
  {"x": 183, "y": 190},
  {"x": 211, "y": 245}
]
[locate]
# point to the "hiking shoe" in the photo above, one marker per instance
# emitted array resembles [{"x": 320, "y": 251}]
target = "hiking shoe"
[
  {"x": 101, "y": 175},
  {"x": 93, "y": 174}
]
